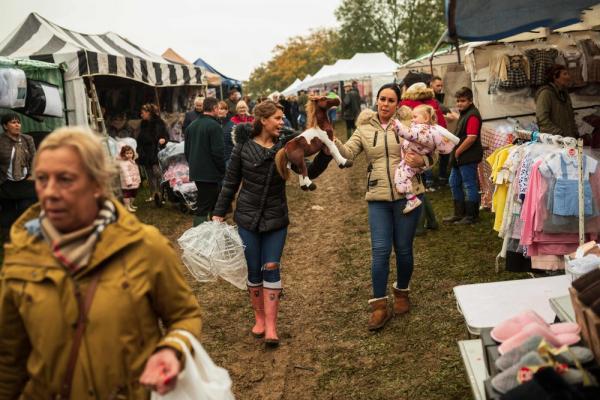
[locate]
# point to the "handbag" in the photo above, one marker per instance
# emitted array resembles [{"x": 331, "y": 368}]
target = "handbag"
[{"x": 201, "y": 379}]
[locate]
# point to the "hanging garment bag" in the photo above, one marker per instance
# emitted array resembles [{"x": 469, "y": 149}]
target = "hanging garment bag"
[
  {"x": 43, "y": 99},
  {"x": 13, "y": 88}
]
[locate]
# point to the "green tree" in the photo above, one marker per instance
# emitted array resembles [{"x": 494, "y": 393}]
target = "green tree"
[
  {"x": 403, "y": 29},
  {"x": 298, "y": 57}
]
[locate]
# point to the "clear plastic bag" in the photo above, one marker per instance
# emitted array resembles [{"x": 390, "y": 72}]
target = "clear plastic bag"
[
  {"x": 173, "y": 152},
  {"x": 201, "y": 378},
  {"x": 212, "y": 250}
]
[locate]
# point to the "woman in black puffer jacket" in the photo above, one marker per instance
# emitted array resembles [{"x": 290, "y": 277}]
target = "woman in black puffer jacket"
[
  {"x": 261, "y": 210},
  {"x": 153, "y": 136}
]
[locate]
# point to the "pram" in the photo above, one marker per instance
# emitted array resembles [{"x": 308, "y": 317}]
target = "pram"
[{"x": 175, "y": 185}]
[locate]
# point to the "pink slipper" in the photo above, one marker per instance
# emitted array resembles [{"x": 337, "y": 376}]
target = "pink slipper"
[
  {"x": 513, "y": 325},
  {"x": 535, "y": 329}
]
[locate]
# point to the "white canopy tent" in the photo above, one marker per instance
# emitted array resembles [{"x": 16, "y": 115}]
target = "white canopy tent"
[
  {"x": 375, "y": 66},
  {"x": 290, "y": 90}
]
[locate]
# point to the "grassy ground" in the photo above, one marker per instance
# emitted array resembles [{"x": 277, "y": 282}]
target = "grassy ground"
[{"x": 326, "y": 352}]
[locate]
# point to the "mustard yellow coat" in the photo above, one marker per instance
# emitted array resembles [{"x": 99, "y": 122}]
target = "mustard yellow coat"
[{"x": 141, "y": 284}]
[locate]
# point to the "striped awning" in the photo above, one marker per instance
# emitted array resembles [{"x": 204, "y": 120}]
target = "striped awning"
[{"x": 89, "y": 55}]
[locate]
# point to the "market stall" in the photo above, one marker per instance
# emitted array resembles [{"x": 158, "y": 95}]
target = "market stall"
[
  {"x": 121, "y": 63},
  {"x": 226, "y": 83},
  {"x": 33, "y": 122},
  {"x": 528, "y": 172}
]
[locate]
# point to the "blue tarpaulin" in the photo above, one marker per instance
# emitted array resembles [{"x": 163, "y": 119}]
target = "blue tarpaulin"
[
  {"x": 227, "y": 82},
  {"x": 475, "y": 20}
]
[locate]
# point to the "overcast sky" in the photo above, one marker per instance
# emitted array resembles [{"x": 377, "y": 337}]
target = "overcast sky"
[{"x": 234, "y": 36}]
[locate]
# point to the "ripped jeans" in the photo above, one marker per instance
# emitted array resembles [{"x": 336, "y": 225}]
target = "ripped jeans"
[{"x": 263, "y": 248}]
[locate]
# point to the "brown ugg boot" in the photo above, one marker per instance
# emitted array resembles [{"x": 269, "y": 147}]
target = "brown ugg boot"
[
  {"x": 379, "y": 313},
  {"x": 401, "y": 301}
]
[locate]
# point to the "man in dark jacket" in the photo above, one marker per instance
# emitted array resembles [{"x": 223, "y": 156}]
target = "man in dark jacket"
[
  {"x": 553, "y": 107},
  {"x": 464, "y": 159},
  {"x": 191, "y": 116},
  {"x": 351, "y": 107},
  {"x": 204, "y": 153}
]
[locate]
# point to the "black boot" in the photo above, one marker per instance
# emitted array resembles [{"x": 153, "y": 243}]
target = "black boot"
[
  {"x": 430, "y": 221},
  {"x": 459, "y": 212},
  {"x": 471, "y": 214}
]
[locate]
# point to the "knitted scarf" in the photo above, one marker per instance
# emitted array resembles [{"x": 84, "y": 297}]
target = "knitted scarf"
[
  {"x": 20, "y": 160},
  {"x": 74, "y": 250}
]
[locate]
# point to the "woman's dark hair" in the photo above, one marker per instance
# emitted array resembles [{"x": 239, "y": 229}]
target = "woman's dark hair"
[
  {"x": 263, "y": 110},
  {"x": 125, "y": 149},
  {"x": 10, "y": 116},
  {"x": 554, "y": 71},
  {"x": 152, "y": 109},
  {"x": 392, "y": 86},
  {"x": 464, "y": 93}
]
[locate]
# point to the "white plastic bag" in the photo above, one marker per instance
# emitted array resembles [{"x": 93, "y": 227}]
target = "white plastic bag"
[
  {"x": 201, "y": 379},
  {"x": 215, "y": 249}
]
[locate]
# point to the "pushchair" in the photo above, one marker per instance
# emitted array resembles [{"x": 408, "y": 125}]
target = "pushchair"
[{"x": 175, "y": 185}]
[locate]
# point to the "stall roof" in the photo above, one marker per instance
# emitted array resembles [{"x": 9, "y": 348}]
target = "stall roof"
[
  {"x": 87, "y": 55},
  {"x": 474, "y": 20},
  {"x": 291, "y": 89},
  {"x": 362, "y": 65},
  {"x": 171, "y": 55},
  {"x": 224, "y": 79}
]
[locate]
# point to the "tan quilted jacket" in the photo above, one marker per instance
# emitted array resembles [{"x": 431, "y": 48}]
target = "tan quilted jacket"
[{"x": 383, "y": 150}]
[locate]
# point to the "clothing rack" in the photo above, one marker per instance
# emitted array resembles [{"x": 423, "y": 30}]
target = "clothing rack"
[{"x": 567, "y": 142}]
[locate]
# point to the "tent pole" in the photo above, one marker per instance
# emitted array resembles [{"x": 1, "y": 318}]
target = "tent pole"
[
  {"x": 156, "y": 97},
  {"x": 437, "y": 46},
  {"x": 66, "y": 109}
]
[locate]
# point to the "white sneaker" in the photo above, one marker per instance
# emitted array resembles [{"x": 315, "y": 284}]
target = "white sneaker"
[{"x": 411, "y": 205}]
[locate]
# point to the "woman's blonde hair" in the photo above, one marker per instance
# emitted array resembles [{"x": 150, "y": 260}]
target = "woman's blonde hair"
[
  {"x": 240, "y": 104},
  {"x": 93, "y": 153},
  {"x": 428, "y": 111}
]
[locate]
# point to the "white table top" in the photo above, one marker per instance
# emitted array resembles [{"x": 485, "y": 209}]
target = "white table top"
[{"x": 485, "y": 305}]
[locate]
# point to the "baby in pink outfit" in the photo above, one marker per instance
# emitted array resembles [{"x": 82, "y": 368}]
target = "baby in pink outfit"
[{"x": 423, "y": 136}]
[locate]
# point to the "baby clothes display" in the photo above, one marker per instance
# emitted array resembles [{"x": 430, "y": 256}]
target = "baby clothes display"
[{"x": 536, "y": 201}]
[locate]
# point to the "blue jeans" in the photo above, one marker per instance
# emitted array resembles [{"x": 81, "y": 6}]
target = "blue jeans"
[
  {"x": 463, "y": 183},
  {"x": 390, "y": 226},
  {"x": 261, "y": 249},
  {"x": 332, "y": 114}
]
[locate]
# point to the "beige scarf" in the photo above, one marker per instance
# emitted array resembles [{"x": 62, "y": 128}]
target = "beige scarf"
[{"x": 74, "y": 250}]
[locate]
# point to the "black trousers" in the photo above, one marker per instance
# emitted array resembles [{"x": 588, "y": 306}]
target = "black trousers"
[
  {"x": 15, "y": 198},
  {"x": 208, "y": 193},
  {"x": 350, "y": 127}
]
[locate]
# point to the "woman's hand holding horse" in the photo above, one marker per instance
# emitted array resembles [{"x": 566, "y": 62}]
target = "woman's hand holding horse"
[{"x": 217, "y": 219}]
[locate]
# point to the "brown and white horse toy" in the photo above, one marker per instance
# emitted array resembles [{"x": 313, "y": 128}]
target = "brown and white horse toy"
[{"x": 319, "y": 133}]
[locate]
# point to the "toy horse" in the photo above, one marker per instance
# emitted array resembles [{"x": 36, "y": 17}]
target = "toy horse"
[{"x": 318, "y": 135}]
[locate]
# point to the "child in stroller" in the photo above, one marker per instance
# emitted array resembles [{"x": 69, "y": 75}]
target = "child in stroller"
[{"x": 175, "y": 185}]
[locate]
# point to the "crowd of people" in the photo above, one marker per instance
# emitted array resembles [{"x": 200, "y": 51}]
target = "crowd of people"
[{"x": 78, "y": 251}]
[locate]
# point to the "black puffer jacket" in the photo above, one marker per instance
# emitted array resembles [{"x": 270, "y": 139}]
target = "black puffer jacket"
[
  {"x": 261, "y": 204},
  {"x": 147, "y": 141}
]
